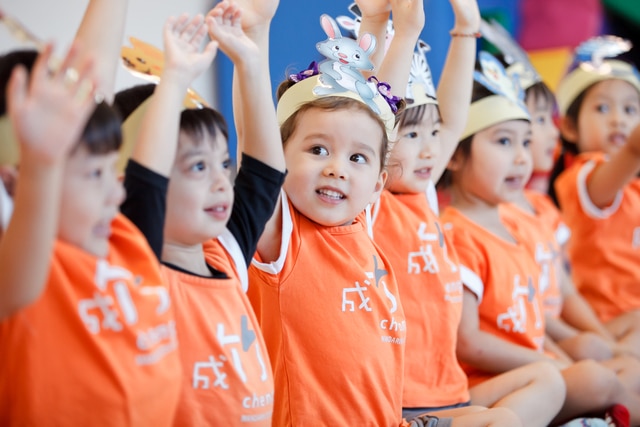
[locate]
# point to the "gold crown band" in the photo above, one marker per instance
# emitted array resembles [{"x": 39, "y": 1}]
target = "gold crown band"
[{"x": 492, "y": 110}]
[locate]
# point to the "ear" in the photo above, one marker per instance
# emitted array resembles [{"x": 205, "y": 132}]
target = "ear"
[
  {"x": 455, "y": 164},
  {"x": 382, "y": 180},
  {"x": 368, "y": 43},
  {"x": 568, "y": 129}
]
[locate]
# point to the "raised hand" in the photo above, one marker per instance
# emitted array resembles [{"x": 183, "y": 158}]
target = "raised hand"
[
  {"x": 467, "y": 15},
  {"x": 50, "y": 111},
  {"x": 256, "y": 14},
  {"x": 374, "y": 8},
  {"x": 225, "y": 26},
  {"x": 408, "y": 17},
  {"x": 184, "y": 59}
]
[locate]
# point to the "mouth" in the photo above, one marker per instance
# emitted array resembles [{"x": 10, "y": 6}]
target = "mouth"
[
  {"x": 423, "y": 173},
  {"x": 219, "y": 211},
  {"x": 330, "y": 195},
  {"x": 343, "y": 61},
  {"x": 617, "y": 139},
  {"x": 515, "y": 182}
]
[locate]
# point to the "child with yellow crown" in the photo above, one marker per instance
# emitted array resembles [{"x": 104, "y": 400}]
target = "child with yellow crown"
[
  {"x": 503, "y": 325},
  {"x": 325, "y": 295}
]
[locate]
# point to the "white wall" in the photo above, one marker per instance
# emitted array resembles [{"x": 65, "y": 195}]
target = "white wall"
[{"x": 58, "y": 20}]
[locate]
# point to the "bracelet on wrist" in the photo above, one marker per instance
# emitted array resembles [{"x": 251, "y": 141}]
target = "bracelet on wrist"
[{"x": 476, "y": 34}]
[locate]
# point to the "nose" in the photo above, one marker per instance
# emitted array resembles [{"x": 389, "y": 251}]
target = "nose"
[
  {"x": 219, "y": 179},
  {"x": 522, "y": 154},
  {"x": 335, "y": 169},
  {"x": 116, "y": 193}
]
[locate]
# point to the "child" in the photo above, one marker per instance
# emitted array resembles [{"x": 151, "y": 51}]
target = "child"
[
  {"x": 502, "y": 324},
  {"x": 570, "y": 320},
  {"x": 325, "y": 296},
  {"x": 87, "y": 318},
  {"x": 599, "y": 105},
  {"x": 426, "y": 264},
  {"x": 228, "y": 377}
]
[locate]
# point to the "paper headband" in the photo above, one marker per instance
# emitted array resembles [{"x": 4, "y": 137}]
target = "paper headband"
[
  {"x": 519, "y": 65},
  {"x": 420, "y": 89},
  {"x": 592, "y": 66},
  {"x": 506, "y": 104},
  {"x": 146, "y": 62},
  {"x": 339, "y": 75}
]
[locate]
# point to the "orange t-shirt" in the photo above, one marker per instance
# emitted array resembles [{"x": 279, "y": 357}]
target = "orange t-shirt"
[
  {"x": 428, "y": 274},
  {"x": 98, "y": 347},
  {"x": 545, "y": 233},
  {"x": 333, "y": 324},
  {"x": 504, "y": 277},
  {"x": 604, "y": 248},
  {"x": 227, "y": 374}
]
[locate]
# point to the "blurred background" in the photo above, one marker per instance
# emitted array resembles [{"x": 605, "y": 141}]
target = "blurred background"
[{"x": 547, "y": 29}]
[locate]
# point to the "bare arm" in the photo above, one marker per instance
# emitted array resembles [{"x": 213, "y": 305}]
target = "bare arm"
[
  {"x": 610, "y": 177},
  {"x": 158, "y": 137},
  {"x": 484, "y": 350},
  {"x": 375, "y": 17},
  {"x": 456, "y": 81},
  {"x": 100, "y": 34},
  {"x": 48, "y": 114},
  {"x": 408, "y": 18},
  {"x": 260, "y": 136}
]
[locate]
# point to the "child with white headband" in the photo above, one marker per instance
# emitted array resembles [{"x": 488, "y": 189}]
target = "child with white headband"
[{"x": 325, "y": 295}]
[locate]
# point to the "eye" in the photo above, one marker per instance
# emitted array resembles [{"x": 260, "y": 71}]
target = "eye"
[
  {"x": 198, "y": 167},
  {"x": 358, "y": 158},
  {"x": 95, "y": 173},
  {"x": 526, "y": 143},
  {"x": 631, "y": 110},
  {"x": 356, "y": 56},
  {"x": 411, "y": 135},
  {"x": 504, "y": 141},
  {"x": 336, "y": 48},
  {"x": 435, "y": 132},
  {"x": 319, "y": 151},
  {"x": 602, "y": 108},
  {"x": 541, "y": 120},
  {"x": 226, "y": 164}
]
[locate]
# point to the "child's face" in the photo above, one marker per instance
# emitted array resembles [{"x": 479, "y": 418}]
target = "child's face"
[
  {"x": 499, "y": 164},
  {"x": 91, "y": 198},
  {"x": 333, "y": 162},
  {"x": 414, "y": 155},
  {"x": 200, "y": 196},
  {"x": 544, "y": 134},
  {"x": 609, "y": 111}
]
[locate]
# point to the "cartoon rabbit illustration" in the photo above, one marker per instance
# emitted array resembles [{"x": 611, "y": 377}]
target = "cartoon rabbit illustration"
[{"x": 345, "y": 57}]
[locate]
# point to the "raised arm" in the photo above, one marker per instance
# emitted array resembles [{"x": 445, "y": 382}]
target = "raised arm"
[
  {"x": 100, "y": 34},
  {"x": 48, "y": 114},
  {"x": 256, "y": 23},
  {"x": 408, "y": 21},
  {"x": 610, "y": 177},
  {"x": 375, "y": 18},
  {"x": 184, "y": 61},
  {"x": 456, "y": 81},
  {"x": 260, "y": 136}
]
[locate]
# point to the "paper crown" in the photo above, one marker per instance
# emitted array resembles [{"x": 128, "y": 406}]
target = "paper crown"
[
  {"x": 339, "y": 75},
  {"x": 591, "y": 65},
  {"x": 420, "y": 89},
  {"x": 145, "y": 61},
  {"x": 506, "y": 103},
  {"x": 518, "y": 63}
]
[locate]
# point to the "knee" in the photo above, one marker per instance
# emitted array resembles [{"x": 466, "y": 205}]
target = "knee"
[
  {"x": 549, "y": 375},
  {"x": 600, "y": 382}
]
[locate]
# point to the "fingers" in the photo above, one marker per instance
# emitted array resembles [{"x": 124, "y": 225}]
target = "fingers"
[{"x": 16, "y": 89}]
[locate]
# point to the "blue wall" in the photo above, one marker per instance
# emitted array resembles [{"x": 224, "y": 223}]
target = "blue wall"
[{"x": 296, "y": 29}]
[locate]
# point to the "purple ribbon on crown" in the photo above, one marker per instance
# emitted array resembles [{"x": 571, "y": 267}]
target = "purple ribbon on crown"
[
  {"x": 384, "y": 89},
  {"x": 312, "y": 70}
]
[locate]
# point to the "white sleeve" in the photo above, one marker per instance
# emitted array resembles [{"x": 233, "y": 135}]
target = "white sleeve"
[
  {"x": 230, "y": 244},
  {"x": 585, "y": 201},
  {"x": 472, "y": 282},
  {"x": 6, "y": 207},
  {"x": 276, "y": 266}
]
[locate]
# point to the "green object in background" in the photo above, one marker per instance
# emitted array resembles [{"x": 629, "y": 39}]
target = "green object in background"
[
  {"x": 628, "y": 9},
  {"x": 503, "y": 19}
]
